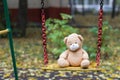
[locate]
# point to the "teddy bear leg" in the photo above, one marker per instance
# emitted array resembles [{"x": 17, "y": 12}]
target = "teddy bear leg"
[
  {"x": 85, "y": 63},
  {"x": 63, "y": 62}
]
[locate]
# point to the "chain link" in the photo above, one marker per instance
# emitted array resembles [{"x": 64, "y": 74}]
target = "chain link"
[
  {"x": 101, "y": 3},
  {"x": 42, "y": 4},
  {"x": 99, "y": 43},
  {"x": 44, "y": 37}
]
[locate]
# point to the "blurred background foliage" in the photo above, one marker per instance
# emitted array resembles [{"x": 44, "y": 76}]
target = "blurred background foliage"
[
  {"x": 107, "y": 39},
  {"x": 57, "y": 30}
]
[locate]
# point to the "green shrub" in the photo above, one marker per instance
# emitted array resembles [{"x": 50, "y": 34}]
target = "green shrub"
[
  {"x": 106, "y": 50},
  {"x": 56, "y": 31}
]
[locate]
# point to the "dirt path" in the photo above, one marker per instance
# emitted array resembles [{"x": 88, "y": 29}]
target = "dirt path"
[{"x": 39, "y": 74}]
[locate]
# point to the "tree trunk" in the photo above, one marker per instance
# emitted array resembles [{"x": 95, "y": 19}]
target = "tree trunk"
[
  {"x": 2, "y": 16},
  {"x": 72, "y": 7},
  {"x": 113, "y": 8},
  {"x": 1, "y": 11},
  {"x": 22, "y": 18},
  {"x": 83, "y": 10}
]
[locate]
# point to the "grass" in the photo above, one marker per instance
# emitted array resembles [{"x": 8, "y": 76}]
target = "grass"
[{"x": 91, "y": 20}]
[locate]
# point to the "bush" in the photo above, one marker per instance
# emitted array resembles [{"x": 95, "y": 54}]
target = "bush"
[
  {"x": 56, "y": 31},
  {"x": 106, "y": 50}
]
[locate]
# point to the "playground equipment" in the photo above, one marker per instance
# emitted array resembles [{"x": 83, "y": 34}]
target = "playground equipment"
[
  {"x": 9, "y": 31},
  {"x": 99, "y": 41}
]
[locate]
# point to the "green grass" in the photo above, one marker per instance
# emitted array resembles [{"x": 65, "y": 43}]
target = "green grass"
[{"x": 91, "y": 20}]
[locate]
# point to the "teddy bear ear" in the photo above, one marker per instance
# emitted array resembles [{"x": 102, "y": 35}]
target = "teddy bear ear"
[
  {"x": 80, "y": 37},
  {"x": 65, "y": 39}
]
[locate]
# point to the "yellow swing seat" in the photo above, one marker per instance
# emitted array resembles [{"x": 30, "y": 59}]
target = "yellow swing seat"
[
  {"x": 4, "y": 31},
  {"x": 55, "y": 66}
]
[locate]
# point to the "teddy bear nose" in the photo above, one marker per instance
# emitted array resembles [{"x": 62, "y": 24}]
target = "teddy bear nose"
[{"x": 73, "y": 44}]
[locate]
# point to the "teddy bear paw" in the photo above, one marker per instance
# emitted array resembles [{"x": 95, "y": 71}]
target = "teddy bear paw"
[
  {"x": 62, "y": 62},
  {"x": 85, "y": 63}
]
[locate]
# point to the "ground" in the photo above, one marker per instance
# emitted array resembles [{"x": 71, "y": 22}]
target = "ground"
[
  {"x": 39, "y": 74},
  {"x": 92, "y": 20},
  {"x": 29, "y": 56}
]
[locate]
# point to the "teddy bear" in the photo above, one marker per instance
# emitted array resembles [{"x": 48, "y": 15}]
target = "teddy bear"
[{"x": 75, "y": 55}]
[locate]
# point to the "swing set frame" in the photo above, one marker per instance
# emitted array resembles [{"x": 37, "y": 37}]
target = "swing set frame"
[{"x": 9, "y": 31}]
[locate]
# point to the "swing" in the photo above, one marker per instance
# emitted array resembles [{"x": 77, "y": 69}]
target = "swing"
[
  {"x": 9, "y": 31},
  {"x": 51, "y": 66},
  {"x": 54, "y": 66}
]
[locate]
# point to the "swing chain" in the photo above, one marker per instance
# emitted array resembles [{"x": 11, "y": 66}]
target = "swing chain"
[
  {"x": 42, "y": 4},
  {"x": 100, "y": 23},
  {"x": 101, "y": 4},
  {"x": 44, "y": 37}
]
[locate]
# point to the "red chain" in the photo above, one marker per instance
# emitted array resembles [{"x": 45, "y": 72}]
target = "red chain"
[
  {"x": 44, "y": 33},
  {"x": 99, "y": 43}
]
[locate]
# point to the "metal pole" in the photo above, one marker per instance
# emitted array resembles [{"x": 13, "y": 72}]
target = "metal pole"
[{"x": 8, "y": 24}]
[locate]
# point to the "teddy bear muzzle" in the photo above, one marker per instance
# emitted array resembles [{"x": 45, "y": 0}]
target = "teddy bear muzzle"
[{"x": 74, "y": 47}]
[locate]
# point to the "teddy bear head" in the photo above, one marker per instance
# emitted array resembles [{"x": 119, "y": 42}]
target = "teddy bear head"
[{"x": 73, "y": 41}]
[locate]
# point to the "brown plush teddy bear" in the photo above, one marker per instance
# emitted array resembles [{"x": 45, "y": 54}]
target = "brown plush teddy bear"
[{"x": 75, "y": 55}]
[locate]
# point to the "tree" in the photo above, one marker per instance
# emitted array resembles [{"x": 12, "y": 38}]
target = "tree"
[
  {"x": 22, "y": 18},
  {"x": 72, "y": 7},
  {"x": 0, "y": 9},
  {"x": 2, "y": 19},
  {"x": 83, "y": 10},
  {"x": 113, "y": 9}
]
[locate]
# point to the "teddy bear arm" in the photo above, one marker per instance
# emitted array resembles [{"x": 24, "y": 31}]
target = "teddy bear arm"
[
  {"x": 85, "y": 55},
  {"x": 64, "y": 54}
]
